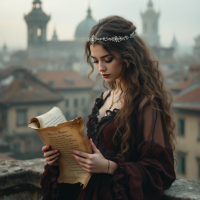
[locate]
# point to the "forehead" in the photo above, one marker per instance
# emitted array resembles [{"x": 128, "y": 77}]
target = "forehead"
[{"x": 97, "y": 51}]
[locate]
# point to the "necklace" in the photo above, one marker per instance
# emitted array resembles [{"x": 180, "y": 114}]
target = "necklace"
[{"x": 114, "y": 101}]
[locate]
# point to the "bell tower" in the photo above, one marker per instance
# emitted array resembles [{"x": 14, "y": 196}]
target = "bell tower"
[
  {"x": 150, "y": 27},
  {"x": 36, "y": 22}
]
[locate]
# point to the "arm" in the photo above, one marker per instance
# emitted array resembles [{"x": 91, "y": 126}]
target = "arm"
[{"x": 153, "y": 170}]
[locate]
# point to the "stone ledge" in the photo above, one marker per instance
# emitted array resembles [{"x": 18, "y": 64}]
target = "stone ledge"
[{"x": 22, "y": 178}]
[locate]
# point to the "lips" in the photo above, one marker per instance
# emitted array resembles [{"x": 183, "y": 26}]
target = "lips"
[{"x": 105, "y": 75}]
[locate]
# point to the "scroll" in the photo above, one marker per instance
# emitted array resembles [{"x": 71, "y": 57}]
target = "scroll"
[{"x": 54, "y": 130}]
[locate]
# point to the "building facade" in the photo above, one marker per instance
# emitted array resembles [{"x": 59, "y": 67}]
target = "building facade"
[
  {"x": 187, "y": 117},
  {"x": 22, "y": 97}
]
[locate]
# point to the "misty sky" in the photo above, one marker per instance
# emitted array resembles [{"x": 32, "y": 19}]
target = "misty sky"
[{"x": 179, "y": 17}]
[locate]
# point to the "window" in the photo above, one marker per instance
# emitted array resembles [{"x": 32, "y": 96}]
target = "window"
[
  {"x": 198, "y": 137},
  {"x": 83, "y": 101},
  {"x": 39, "y": 32},
  {"x": 16, "y": 147},
  {"x": 22, "y": 117},
  {"x": 67, "y": 116},
  {"x": 75, "y": 102},
  {"x": 28, "y": 144},
  {"x": 67, "y": 103},
  {"x": 181, "y": 127},
  {"x": 37, "y": 5},
  {"x": 181, "y": 167}
]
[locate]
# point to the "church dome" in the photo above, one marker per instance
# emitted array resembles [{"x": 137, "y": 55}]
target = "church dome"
[{"x": 84, "y": 28}]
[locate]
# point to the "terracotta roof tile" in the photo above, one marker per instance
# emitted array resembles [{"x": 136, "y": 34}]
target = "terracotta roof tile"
[
  {"x": 195, "y": 67},
  {"x": 63, "y": 79},
  {"x": 27, "y": 91},
  {"x": 182, "y": 85},
  {"x": 192, "y": 95}
]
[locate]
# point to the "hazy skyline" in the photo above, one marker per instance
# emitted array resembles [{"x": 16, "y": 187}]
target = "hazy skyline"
[{"x": 179, "y": 17}]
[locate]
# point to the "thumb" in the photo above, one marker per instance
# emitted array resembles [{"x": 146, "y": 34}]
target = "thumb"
[{"x": 93, "y": 146}]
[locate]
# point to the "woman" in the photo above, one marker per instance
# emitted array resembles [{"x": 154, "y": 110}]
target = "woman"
[{"x": 130, "y": 128}]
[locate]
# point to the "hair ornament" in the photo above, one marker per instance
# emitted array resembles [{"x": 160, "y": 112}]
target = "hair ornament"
[{"x": 93, "y": 39}]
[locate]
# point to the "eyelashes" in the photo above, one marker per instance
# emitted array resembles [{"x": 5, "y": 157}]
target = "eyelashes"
[{"x": 109, "y": 61}]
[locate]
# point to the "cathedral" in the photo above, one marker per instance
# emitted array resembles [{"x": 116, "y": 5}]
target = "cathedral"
[{"x": 39, "y": 48}]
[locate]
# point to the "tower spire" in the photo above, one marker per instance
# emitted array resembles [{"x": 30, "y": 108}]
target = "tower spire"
[
  {"x": 150, "y": 4},
  {"x": 54, "y": 37},
  {"x": 89, "y": 11}
]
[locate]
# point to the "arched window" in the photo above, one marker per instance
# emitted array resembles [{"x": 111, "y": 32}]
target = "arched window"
[
  {"x": 37, "y": 5},
  {"x": 39, "y": 32}
]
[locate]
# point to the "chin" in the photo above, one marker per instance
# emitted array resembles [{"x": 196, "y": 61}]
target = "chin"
[{"x": 109, "y": 80}]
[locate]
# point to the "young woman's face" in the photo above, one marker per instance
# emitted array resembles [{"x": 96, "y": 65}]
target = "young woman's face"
[{"x": 108, "y": 67}]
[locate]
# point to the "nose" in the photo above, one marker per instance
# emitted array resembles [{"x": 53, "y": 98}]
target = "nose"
[{"x": 101, "y": 67}]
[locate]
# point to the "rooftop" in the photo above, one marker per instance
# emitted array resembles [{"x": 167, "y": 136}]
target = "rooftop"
[
  {"x": 182, "y": 85},
  {"x": 20, "y": 86},
  {"x": 188, "y": 99},
  {"x": 67, "y": 79}
]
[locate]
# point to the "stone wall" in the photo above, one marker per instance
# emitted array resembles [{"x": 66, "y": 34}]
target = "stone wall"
[{"x": 20, "y": 180}]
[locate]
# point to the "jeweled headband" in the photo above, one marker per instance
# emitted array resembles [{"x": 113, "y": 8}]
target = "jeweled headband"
[{"x": 93, "y": 39}]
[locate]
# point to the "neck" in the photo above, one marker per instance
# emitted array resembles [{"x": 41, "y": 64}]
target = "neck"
[{"x": 119, "y": 89}]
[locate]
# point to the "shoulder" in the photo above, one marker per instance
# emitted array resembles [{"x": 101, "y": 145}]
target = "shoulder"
[{"x": 146, "y": 101}]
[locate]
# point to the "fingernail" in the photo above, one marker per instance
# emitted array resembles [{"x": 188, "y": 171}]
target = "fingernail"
[
  {"x": 56, "y": 150},
  {"x": 71, "y": 150}
]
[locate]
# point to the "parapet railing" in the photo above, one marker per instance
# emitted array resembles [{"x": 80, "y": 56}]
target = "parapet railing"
[{"x": 19, "y": 179}]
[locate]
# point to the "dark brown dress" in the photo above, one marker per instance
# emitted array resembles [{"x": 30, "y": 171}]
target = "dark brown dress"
[{"x": 145, "y": 176}]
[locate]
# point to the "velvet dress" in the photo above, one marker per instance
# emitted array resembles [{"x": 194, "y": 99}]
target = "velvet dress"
[{"x": 145, "y": 176}]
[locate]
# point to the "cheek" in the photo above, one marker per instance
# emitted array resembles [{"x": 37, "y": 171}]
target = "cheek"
[{"x": 115, "y": 67}]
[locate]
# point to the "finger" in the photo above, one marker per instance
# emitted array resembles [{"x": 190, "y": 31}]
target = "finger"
[
  {"x": 85, "y": 166},
  {"x": 50, "y": 153},
  {"x": 52, "y": 157},
  {"x": 52, "y": 161},
  {"x": 80, "y": 159},
  {"x": 87, "y": 170},
  {"x": 82, "y": 154},
  {"x": 45, "y": 148},
  {"x": 93, "y": 146}
]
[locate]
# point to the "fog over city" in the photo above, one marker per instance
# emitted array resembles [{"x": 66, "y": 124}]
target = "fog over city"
[
  {"x": 179, "y": 18},
  {"x": 42, "y": 66}
]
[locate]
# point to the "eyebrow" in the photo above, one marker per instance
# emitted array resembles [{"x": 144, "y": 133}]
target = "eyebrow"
[{"x": 102, "y": 56}]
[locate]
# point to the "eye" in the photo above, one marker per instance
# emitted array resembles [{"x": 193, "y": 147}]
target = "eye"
[
  {"x": 95, "y": 61},
  {"x": 108, "y": 61}
]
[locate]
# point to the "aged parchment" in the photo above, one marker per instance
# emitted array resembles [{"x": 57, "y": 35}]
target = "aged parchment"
[{"x": 64, "y": 137}]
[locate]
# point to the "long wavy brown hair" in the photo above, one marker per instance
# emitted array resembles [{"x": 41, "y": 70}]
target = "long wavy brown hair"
[{"x": 140, "y": 74}]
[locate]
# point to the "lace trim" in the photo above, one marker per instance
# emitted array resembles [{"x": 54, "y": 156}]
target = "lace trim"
[{"x": 93, "y": 124}]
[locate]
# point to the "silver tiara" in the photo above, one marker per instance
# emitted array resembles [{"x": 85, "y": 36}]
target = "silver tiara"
[{"x": 93, "y": 39}]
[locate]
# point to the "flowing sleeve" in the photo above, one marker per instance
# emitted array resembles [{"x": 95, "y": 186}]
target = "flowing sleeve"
[
  {"x": 57, "y": 191},
  {"x": 153, "y": 172}
]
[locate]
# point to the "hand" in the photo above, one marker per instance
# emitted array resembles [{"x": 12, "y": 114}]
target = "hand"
[
  {"x": 51, "y": 156},
  {"x": 92, "y": 163}
]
